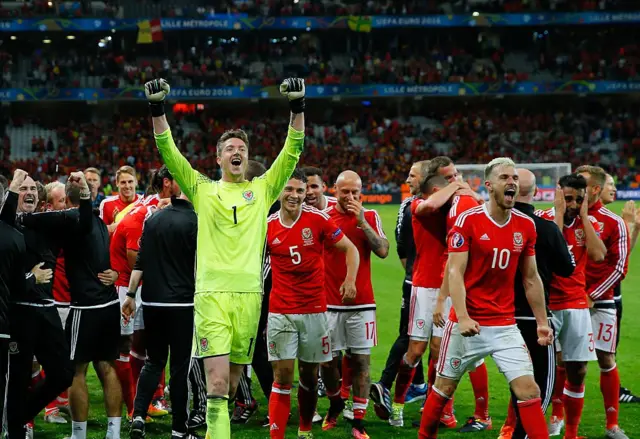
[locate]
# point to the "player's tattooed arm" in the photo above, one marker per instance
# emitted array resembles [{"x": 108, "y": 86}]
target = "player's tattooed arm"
[{"x": 378, "y": 244}]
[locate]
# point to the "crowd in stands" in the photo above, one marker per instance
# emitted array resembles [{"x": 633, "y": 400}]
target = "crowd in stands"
[
  {"x": 562, "y": 54},
  {"x": 113, "y": 8},
  {"x": 378, "y": 149}
]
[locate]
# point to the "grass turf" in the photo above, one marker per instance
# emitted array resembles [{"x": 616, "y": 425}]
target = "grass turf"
[{"x": 387, "y": 280}]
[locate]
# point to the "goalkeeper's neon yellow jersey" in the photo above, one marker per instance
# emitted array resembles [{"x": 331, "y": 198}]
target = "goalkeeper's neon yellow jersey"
[{"x": 232, "y": 217}]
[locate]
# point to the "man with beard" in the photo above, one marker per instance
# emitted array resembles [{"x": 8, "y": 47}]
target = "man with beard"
[
  {"x": 406, "y": 248},
  {"x": 486, "y": 246},
  {"x": 35, "y": 315},
  {"x": 316, "y": 188}
]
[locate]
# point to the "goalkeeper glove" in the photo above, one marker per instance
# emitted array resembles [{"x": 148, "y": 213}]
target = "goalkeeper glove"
[
  {"x": 156, "y": 91},
  {"x": 293, "y": 89}
]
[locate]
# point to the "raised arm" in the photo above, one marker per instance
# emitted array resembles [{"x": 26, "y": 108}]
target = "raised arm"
[
  {"x": 178, "y": 165},
  {"x": 617, "y": 261},
  {"x": 9, "y": 208},
  {"x": 282, "y": 168},
  {"x": 437, "y": 200}
]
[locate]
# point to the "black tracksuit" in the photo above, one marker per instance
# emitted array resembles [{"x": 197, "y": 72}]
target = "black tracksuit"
[
  {"x": 406, "y": 248},
  {"x": 36, "y": 328},
  {"x": 167, "y": 260},
  {"x": 13, "y": 255},
  {"x": 552, "y": 258}
]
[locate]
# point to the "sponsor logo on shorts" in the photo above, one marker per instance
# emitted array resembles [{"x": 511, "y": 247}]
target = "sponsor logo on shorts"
[
  {"x": 204, "y": 344},
  {"x": 457, "y": 240},
  {"x": 455, "y": 363},
  {"x": 420, "y": 324},
  {"x": 13, "y": 348},
  {"x": 248, "y": 196},
  {"x": 272, "y": 347}
]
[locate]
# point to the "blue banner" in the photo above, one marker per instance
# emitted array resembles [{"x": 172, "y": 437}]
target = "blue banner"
[
  {"x": 355, "y": 23},
  {"x": 329, "y": 91}
]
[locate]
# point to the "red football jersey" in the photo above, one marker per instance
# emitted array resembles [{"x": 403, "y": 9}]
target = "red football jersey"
[
  {"x": 430, "y": 237},
  {"x": 61, "y": 294},
  {"x": 494, "y": 257},
  {"x": 127, "y": 237},
  {"x": 336, "y": 266},
  {"x": 297, "y": 266},
  {"x": 570, "y": 292},
  {"x": 603, "y": 276},
  {"x": 110, "y": 206},
  {"x": 331, "y": 201},
  {"x": 459, "y": 205}
]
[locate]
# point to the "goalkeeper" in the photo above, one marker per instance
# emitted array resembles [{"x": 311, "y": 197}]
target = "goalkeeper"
[{"x": 232, "y": 226}]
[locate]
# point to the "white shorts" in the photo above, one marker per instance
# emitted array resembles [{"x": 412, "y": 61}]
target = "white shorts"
[
  {"x": 503, "y": 343},
  {"x": 421, "y": 308},
  {"x": 353, "y": 330},
  {"x": 574, "y": 336},
  {"x": 63, "y": 312},
  {"x": 137, "y": 323},
  {"x": 302, "y": 336},
  {"x": 604, "y": 323}
]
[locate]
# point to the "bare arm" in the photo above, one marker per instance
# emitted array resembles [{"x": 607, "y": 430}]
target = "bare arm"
[
  {"x": 457, "y": 265},
  {"x": 437, "y": 200},
  {"x": 131, "y": 258},
  {"x": 353, "y": 257},
  {"x": 135, "y": 279},
  {"x": 297, "y": 121},
  {"x": 378, "y": 244},
  {"x": 403, "y": 261},
  {"x": 534, "y": 289}
]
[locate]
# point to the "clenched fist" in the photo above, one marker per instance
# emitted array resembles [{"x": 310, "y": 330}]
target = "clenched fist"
[
  {"x": 156, "y": 91},
  {"x": 293, "y": 89}
]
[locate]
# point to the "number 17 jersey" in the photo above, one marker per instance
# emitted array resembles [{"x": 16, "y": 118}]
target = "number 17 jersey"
[{"x": 297, "y": 263}]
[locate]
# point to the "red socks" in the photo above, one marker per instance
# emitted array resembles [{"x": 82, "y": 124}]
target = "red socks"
[
  {"x": 480, "y": 383},
  {"x": 533, "y": 419},
  {"x": 347, "y": 377},
  {"x": 431, "y": 372},
  {"x": 307, "y": 401},
  {"x": 359, "y": 408},
  {"x": 573, "y": 404},
  {"x": 511, "y": 416},
  {"x": 403, "y": 380},
  {"x": 160, "y": 390},
  {"x": 137, "y": 362},
  {"x": 610, "y": 388},
  {"x": 558, "y": 390},
  {"x": 433, "y": 409},
  {"x": 123, "y": 370},
  {"x": 279, "y": 408}
]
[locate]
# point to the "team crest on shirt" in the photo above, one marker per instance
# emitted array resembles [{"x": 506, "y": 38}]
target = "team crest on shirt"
[
  {"x": 248, "y": 196},
  {"x": 13, "y": 348},
  {"x": 420, "y": 324},
  {"x": 601, "y": 224},
  {"x": 579, "y": 235},
  {"x": 204, "y": 344},
  {"x": 455, "y": 363},
  {"x": 272, "y": 347},
  {"x": 517, "y": 242},
  {"x": 457, "y": 240},
  {"x": 307, "y": 236}
]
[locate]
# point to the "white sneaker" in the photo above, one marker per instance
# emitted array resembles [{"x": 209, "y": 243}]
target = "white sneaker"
[
  {"x": 347, "y": 413},
  {"x": 616, "y": 433},
  {"x": 555, "y": 426},
  {"x": 397, "y": 415},
  {"x": 316, "y": 418},
  {"x": 54, "y": 417}
]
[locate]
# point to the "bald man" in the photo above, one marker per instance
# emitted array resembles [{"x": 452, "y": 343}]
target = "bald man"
[
  {"x": 352, "y": 322},
  {"x": 552, "y": 258}
]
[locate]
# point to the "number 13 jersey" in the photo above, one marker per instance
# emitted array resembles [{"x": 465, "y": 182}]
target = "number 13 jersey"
[
  {"x": 297, "y": 263},
  {"x": 495, "y": 253}
]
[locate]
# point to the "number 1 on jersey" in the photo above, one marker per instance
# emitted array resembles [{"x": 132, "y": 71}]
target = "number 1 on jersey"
[{"x": 235, "y": 215}]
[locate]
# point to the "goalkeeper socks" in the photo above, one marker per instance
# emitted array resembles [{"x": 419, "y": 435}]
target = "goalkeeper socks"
[{"x": 218, "y": 426}]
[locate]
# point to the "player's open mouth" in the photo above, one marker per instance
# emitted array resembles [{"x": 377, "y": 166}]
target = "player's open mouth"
[
  {"x": 509, "y": 194},
  {"x": 236, "y": 161},
  {"x": 30, "y": 200}
]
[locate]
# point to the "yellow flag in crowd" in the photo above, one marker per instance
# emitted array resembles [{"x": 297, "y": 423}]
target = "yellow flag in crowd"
[
  {"x": 149, "y": 31},
  {"x": 360, "y": 23}
]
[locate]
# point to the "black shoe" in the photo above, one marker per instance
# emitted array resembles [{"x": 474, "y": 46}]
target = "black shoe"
[
  {"x": 265, "y": 422},
  {"x": 136, "y": 431},
  {"x": 187, "y": 436},
  {"x": 627, "y": 397},
  {"x": 196, "y": 420},
  {"x": 243, "y": 412}
]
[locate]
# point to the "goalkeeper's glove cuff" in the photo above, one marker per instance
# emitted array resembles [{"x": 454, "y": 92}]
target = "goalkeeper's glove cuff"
[
  {"x": 297, "y": 105},
  {"x": 157, "y": 108}
]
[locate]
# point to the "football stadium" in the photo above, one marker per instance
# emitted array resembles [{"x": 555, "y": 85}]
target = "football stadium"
[{"x": 191, "y": 193}]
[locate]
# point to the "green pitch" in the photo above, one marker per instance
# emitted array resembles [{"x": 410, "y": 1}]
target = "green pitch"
[{"x": 387, "y": 280}]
